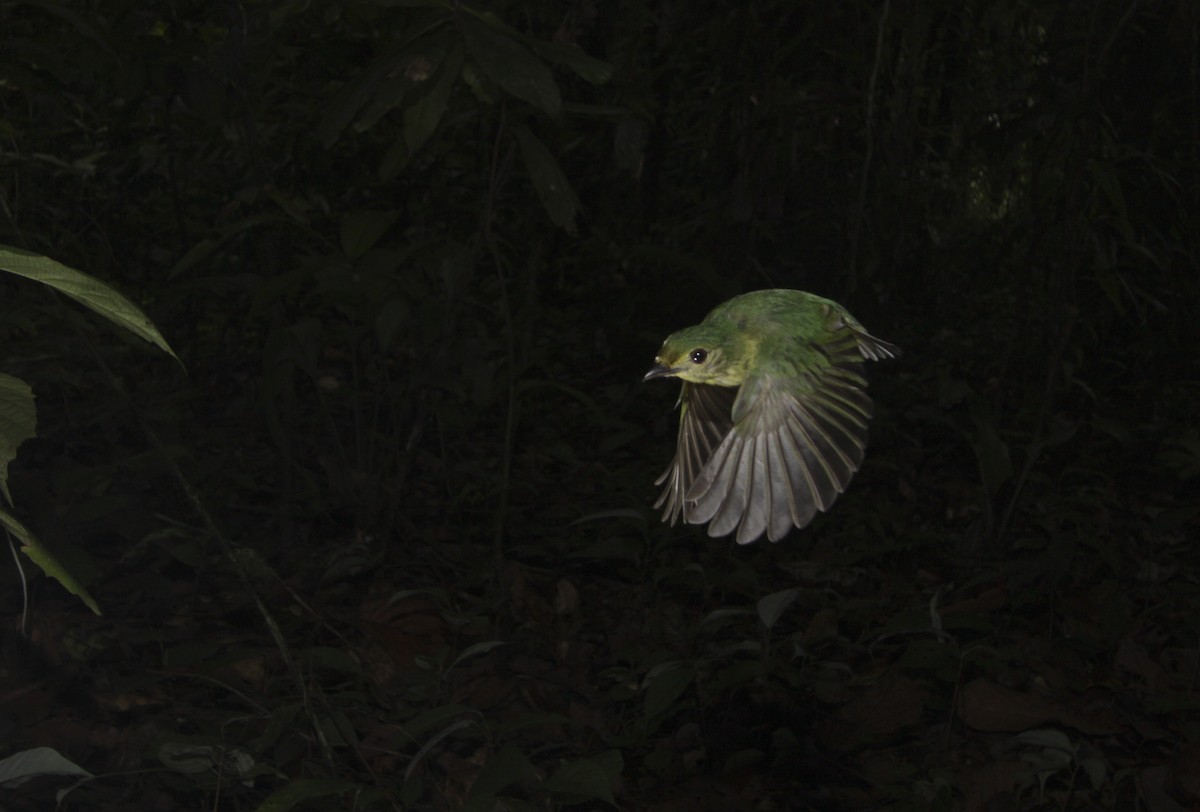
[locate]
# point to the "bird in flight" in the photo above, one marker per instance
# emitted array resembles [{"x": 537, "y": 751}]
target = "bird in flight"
[{"x": 774, "y": 412}]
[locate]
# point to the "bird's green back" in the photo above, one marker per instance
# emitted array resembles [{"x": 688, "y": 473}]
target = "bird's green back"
[{"x": 777, "y": 332}]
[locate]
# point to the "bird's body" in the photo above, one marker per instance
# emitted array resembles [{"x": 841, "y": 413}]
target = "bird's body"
[{"x": 774, "y": 412}]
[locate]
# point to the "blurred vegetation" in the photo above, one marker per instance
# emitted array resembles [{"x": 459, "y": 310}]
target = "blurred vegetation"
[{"x": 387, "y": 543}]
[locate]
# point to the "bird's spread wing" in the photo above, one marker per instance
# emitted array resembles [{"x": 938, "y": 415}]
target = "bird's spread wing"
[
  {"x": 798, "y": 431},
  {"x": 702, "y": 426},
  {"x": 876, "y": 349}
]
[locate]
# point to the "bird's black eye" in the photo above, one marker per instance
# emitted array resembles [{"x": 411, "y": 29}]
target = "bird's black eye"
[{"x": 698, "y": 356}]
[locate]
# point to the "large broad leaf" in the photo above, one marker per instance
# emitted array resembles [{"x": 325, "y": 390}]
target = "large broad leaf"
[
  {"x": 410, "y": 78},
  {"x": 422, "y": 116},
  {"x": 46, "y": 560},
  {"x": 383, "y": 86},
  {"x": 88, "y": 291},
  {"x": 551, "y": 184},
  {"x": 18, "y": 423},
  {"x": 511, "y": 65},
  {"x": 423, "y": 113}
]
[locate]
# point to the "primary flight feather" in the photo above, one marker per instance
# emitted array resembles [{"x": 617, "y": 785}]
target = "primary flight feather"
[{"x": 774, "y": 412}]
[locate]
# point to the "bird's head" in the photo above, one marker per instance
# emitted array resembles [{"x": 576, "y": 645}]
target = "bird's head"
[{"x": 701, "y": 355}]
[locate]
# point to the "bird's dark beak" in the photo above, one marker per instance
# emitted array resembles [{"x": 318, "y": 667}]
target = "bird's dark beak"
[{"x": 659, "y": 371}]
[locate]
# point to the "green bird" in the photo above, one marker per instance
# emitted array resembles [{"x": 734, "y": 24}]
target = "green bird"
[{"x": 774, "y": 412}]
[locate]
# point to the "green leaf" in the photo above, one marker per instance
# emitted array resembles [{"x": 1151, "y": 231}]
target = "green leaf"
[
  {"x": 422, "y": 116},
  {"x": 664, "y": 685},
  {"x": 383, "y": 85},
  {"x": 88, "y": 291},
  {"x": 349, "y": 99},
  {"x": 18, "y": 423},
  {"x": 771, "y": 607},
  {"x": 589, "y": 68},
  {"x": 588, "y": 778},
  {"x": 39, "y": 555},
  {"x": 507, "y": 62},
  {"x": 558, "y": 198}
]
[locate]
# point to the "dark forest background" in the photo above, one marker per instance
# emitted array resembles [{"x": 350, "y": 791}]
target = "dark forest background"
[{"x": 388, "y": 542}]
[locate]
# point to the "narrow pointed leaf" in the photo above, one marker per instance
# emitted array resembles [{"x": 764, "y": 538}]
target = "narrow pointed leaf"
[
  {"x": 589, "y": 68},
  {"x": 87, "y": 290},
  {"x": 557, "y": 196},
  {"x": 422, "y": 116},
  {"x": 511, "y": 65},
  {"x": 39, "y": 555}
]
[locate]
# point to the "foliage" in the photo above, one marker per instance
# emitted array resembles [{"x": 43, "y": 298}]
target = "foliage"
[
  {"x": 390, "y": 544},
  {"x": 18, "y": 415}
]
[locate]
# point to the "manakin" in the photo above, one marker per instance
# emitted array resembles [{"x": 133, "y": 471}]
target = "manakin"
[{"x": 774, "y": 412}]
